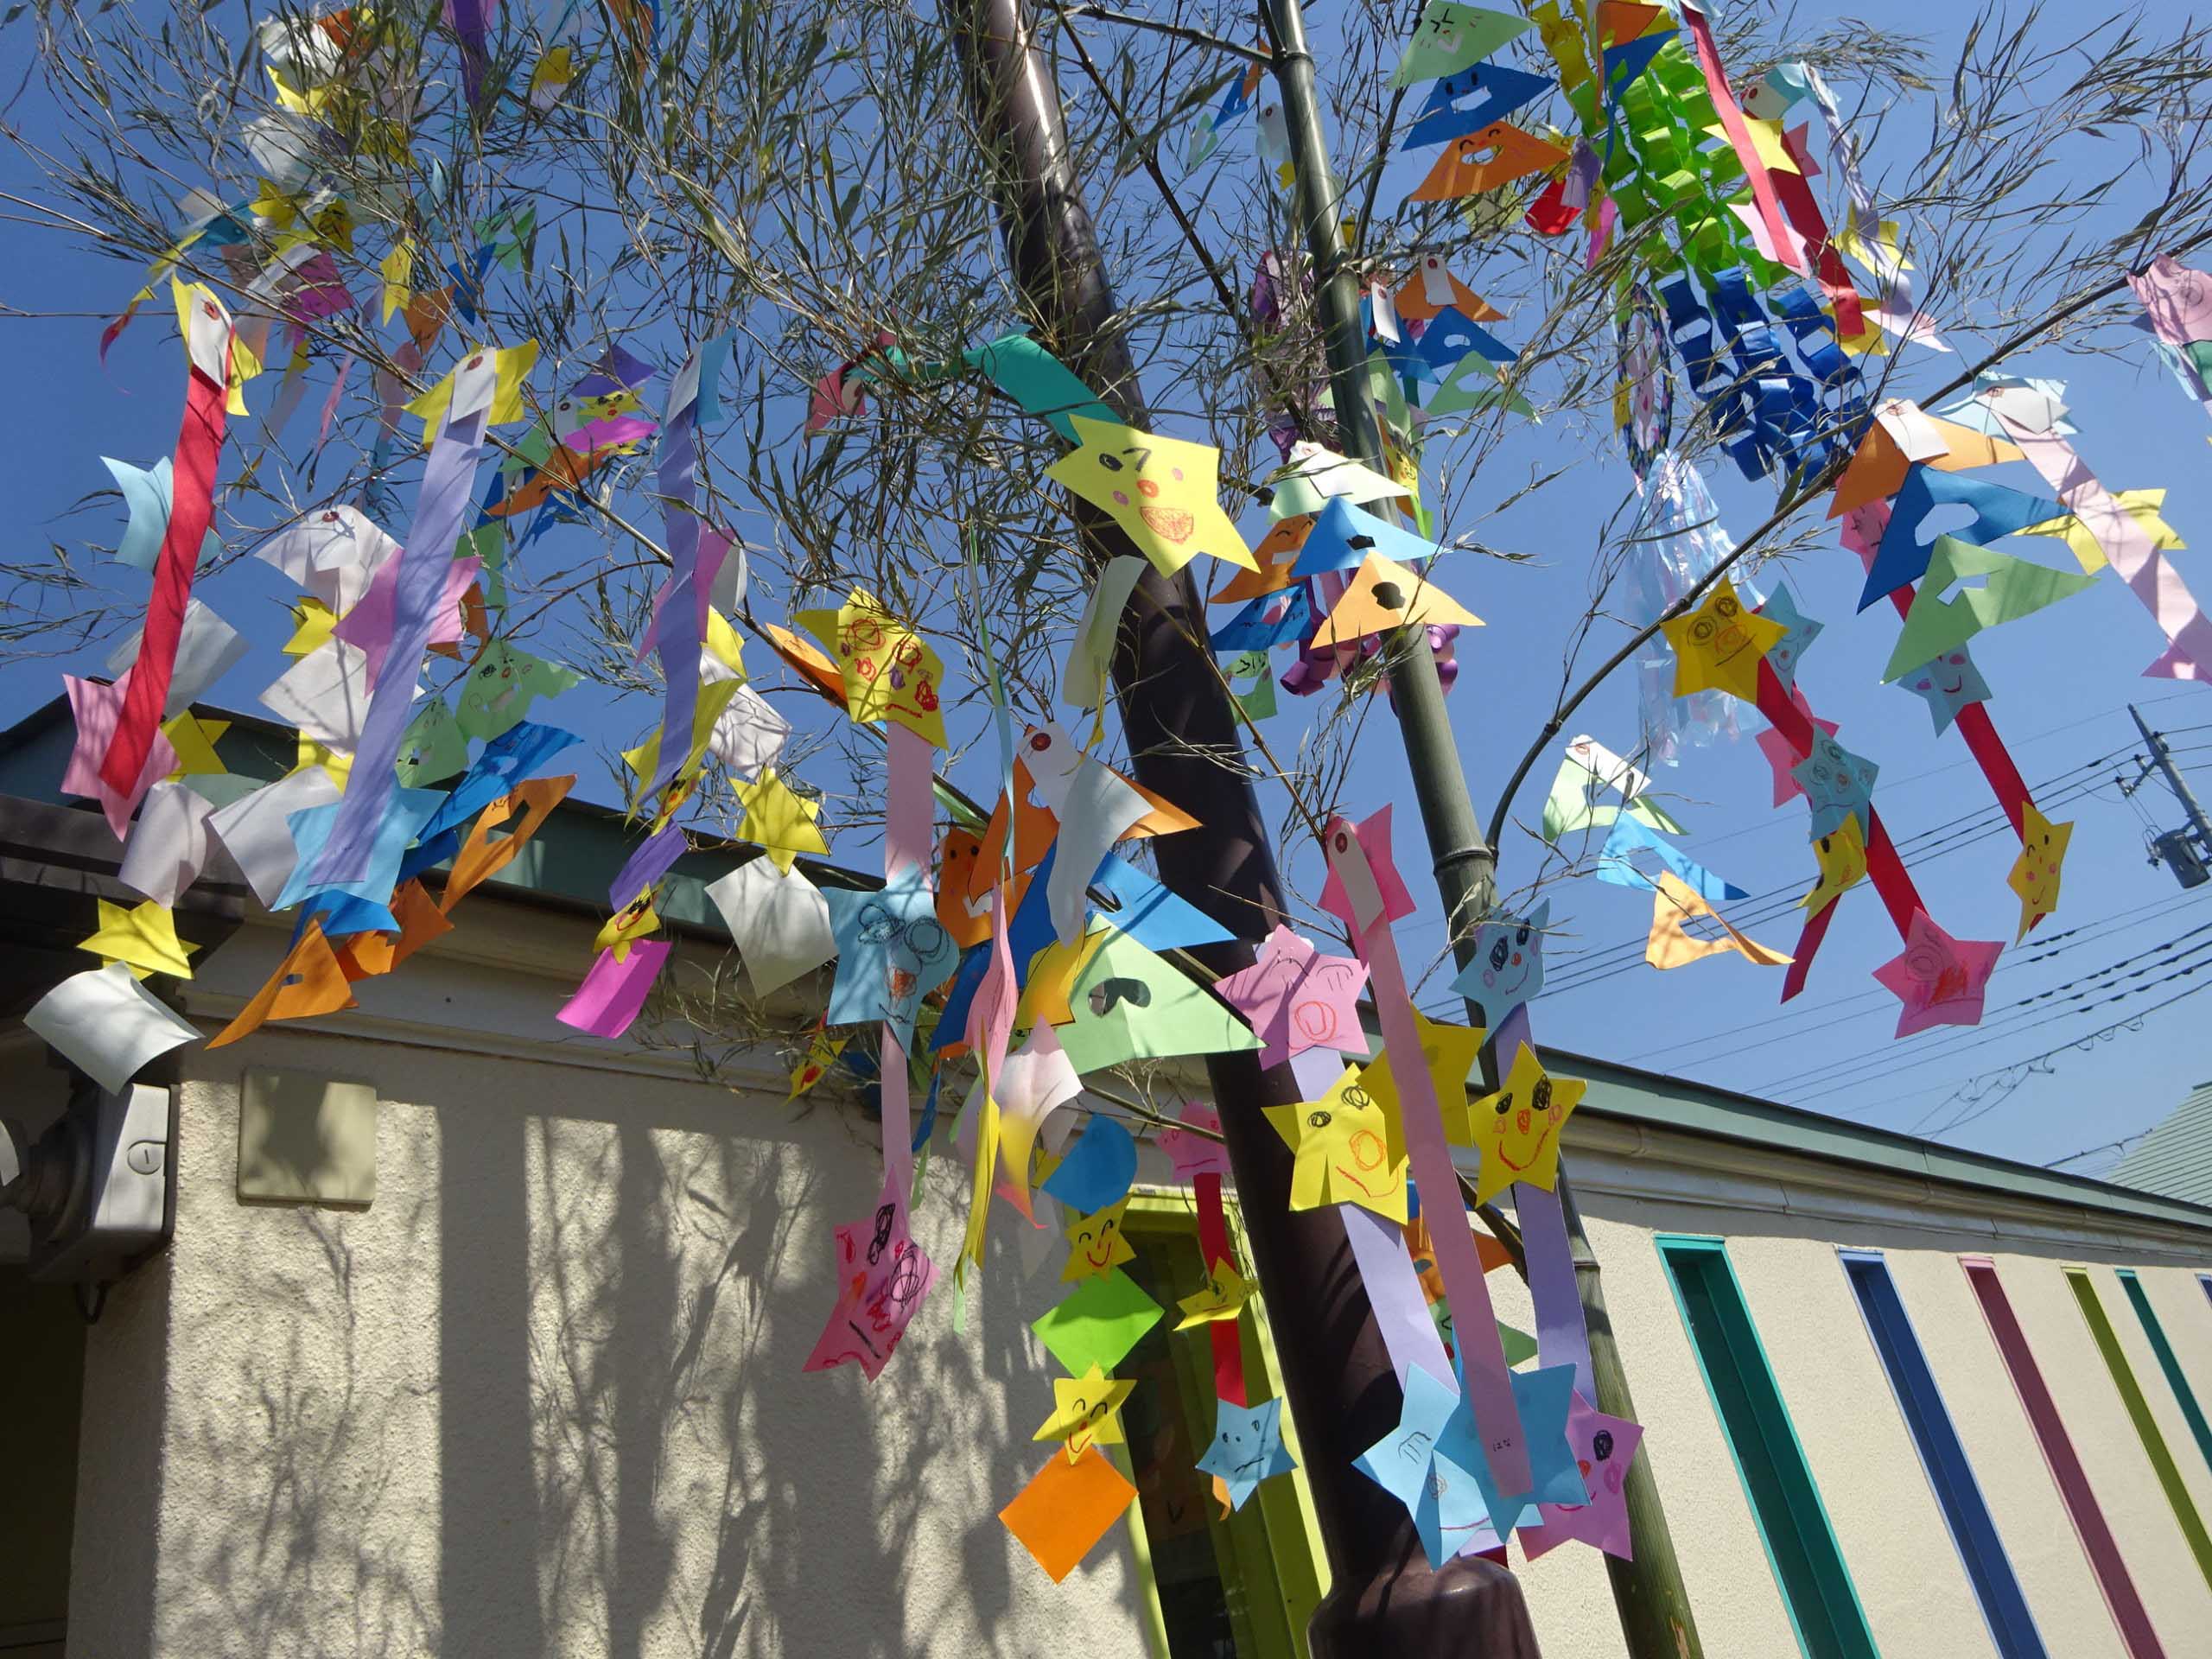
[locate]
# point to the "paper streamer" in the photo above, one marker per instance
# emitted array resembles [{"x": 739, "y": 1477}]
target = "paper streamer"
[
  {"x": 448, "y": 482},
  {"x": 1562, "y": 1333},
  {"x": 2027, "y": 419},
  {"x": 192, "y": 506},
  {"x": 1393, "y": 1291},
  {"x": 680, "y": 625},
  {"x": 1489, "y": 1386},
  {"x": 1227, "y": 1334},
  {"x": 1739, "y": 135}
]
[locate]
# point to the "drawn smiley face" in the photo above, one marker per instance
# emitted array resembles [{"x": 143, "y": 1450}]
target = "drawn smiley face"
[
  {"x": 1525, "y": 1126},
  {"x": 1508, "y": 966},
  {"x": 1097, "y": 1243}
]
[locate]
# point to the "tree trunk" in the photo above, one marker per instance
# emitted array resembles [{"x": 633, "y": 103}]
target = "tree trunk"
[{"x": 1185, "y": 743}]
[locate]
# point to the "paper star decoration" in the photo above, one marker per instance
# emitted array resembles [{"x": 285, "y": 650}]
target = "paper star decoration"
[
  {"x": 1428, "y": 1463},
  {"x": 1781, "y": 756},
  {"x": 1838, "y": 785},
  {"x": 1842, "y": 856},
  {"x": 1448, "y": 1052},
  {"x": 1518, "y": 1127},
  {"x": 1222, "y": 1297},
  {"x": 882, "y": 1276},
  {"x": 892, "y": 952},
  {"x": 1193, "y": 1154},
  {"x": 1802, "y": 629},
  {"x": 141, "y": 937},
  {"x": 1947, "y": 684},
  {"x": 1343, "y": 1151},
  {"x": 1247, "y": 1447},
  {"x": 194, "y": 740},
  {"x": 1163, "y": 493},
  {"x": 1087, "y": 1411},
  {"x": 1297, "y": 999},
  {"x": 1507, "y": 969},
  {"x": 889, "y": 672},
  {"x": 781, "y": 821},
  {"x": 1096, "y": 1243},
  {"x": 1718, "y": 646},
  {"x": 1940, "y": 980},
  {"x": 1603, "y": 1446},
  {"x": 2035, "y": 873}
]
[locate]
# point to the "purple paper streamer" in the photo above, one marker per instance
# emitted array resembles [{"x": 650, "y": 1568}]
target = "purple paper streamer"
[
  {"x": 678, "y": 631},
  {"x": 647, "y": 865},
  {"x": 1562, "y": 1338},
  {"x": 1393, "y": 1291},
  {"x": 448, "y": 481}
]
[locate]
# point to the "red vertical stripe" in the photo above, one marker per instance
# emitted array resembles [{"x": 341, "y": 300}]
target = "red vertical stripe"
[{"x": 2097, "y": 1542}]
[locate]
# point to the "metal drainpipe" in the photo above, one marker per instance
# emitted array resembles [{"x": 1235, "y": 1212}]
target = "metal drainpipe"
[{"x": 1649, "y": 1596}]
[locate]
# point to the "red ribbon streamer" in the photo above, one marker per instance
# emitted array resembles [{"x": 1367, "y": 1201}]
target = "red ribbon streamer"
[
  {"x": 1795, "y": 192},
  {"x": 1739, "y": 134},
  {"x": 1213, "y": 1245},
  {"x": 199, "y": 446}
]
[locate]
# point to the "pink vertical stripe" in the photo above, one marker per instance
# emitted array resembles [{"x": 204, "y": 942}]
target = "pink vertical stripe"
[{"x": 2127, "y": 1610}]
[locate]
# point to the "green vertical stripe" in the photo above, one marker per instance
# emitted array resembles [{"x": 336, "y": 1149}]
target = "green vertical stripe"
[
  {"x": 2184, "y": 1397},
  {"x": 2139, "y": 1412}
]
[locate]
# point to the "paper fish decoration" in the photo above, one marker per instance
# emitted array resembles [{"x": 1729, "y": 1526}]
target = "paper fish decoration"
[
  {"x": 891, "y": 952},
  {"x": 1342, "y": 1151},
  {"x": 1096, "y": 1243},
  {"x": 1247, "y": 1448},
  {"x": 1517, "y": 1129},
  {"x": 1507, "y": 969},
  {"x": 781, "y": 821},
  {"x": 1384, "y": 596},
  {"x": 432, "y": 746},
  {"x": 1432, "y": 287},
  {"x": 1131, "y": 1004},
  {"x": 502, "y": 684},
  {"x": 1947, "y": 684},
  {"x": 888, "y": 671},
  {"x": 1939, "y": 979},
  {"x": 1628, "y": 837},
  {"x": 2035, "y": 873},
  {"x": 1837, "y": 783},
  {"x": 1164, "y": 492},
  {"x": 1297, "y": 999},
  {"x": 1499, "y": 91},
  {"x": 1086, "y": 1411},
  {"x": 1842, "y": 856},
  {"x": 308, "y": 982},
  {"x": 1315, "y": 474},
  {"x": 1344, "y": 535},
  {"x": 143, "y": 938},
  {"x": 1451, "y": 37},
  {"x": 1997, "y": 511},
  {"x": 2012, "y": 588},
  {"x": 1499, "y": 154},
  {"x": 1670, "y": 946},
  {"x": 1720, "y": 645}
]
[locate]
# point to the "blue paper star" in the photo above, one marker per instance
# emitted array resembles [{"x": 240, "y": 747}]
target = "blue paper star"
[
  {"x": 1344, "y": 535},
  {"x": 1837, "y": 783},
  {"x": 1783, "y": 658},
  {"x": 892, "y": 952},
  {"x": 146, "y": 492},
  {"x": 1508, "y": 966},
  {"x": 1247, "y": 1447},
  {"x": 1946, "y": 684}
]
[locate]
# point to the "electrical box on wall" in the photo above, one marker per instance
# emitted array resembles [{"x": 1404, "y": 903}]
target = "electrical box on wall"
[{"x": 98, "y": 1186}]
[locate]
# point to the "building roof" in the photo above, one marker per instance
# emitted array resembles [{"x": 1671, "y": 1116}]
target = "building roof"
[
  {"x": 2176, "y": 1158},
  {"x": 567, "y": 864}
]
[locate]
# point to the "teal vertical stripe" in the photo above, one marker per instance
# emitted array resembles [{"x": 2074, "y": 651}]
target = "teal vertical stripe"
[
  {"x": 2184, "y": 1397},
  {"x": 1808, "y": 1567}
]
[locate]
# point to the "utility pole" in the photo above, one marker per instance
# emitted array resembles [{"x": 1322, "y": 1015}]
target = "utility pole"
[
  {"x": 2173, "y": 848},
  {"x": 1185, "y": 744},
  {"x": 1649, "y": 1595}
]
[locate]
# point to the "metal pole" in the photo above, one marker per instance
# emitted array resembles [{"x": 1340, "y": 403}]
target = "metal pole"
[
  {"x": 1649, "y": 1595},
  {"x": 1185, "y": 743},
  {"x": 2162, "y": 758}
]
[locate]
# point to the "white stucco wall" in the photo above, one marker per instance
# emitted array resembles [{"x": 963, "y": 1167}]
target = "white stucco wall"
[{"x": 544, "y": 1395}]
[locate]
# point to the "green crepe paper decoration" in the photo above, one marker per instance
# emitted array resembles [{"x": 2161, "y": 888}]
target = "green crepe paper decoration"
[
  {"x": 2013, "y": 588},
  {"x": 1450, "y": 38},
  {"x": 1098, "y": 1324},
  {"x": 1132, "y": 1004},
  {"x": 1039, "y": 382}
]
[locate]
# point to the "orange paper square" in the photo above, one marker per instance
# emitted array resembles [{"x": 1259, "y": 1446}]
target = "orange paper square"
[{"x": 1064, "y": 1512}]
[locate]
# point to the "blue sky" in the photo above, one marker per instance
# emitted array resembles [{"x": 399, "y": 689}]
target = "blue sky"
[{"x": 2061, "y": 680}]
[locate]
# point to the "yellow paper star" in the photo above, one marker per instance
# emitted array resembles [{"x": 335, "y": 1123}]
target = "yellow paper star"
[
  {"x": 1766, "y": 139},
  {"x": 315, "y": 620},
  {"x": 1096, "y": 1244},
  {"x": 1518, "y": 1127},
  {"x": 1224, "y": 1297},
  {"x": 889, "y": 671},
  {"x": 723, "y": 643},
  {"x": 397, "y": 269},
  {"x": 1449, "y": 1053},
  {"x": 631, "y": 922},
  {"x": 1087, "y": 1411},
  {"x": 1163, "y": 493},
  {"x": 2142, "y": 506},
  {"x": 1842, "y": 856},
  {"x": 780, "y": 820},
  {"x": 513, "y": 363},
  {"x": 1343, "y": 1152},
  {"x": 336, "y": 762},
  {"x": 143, "y": 937},
  {"x": 712, "y": 700},
  {"x": 821, "y": 1054},
  {"x": 194, "y": 740},
  {"x": 2035, "y": 873},
  {"x": 1719, "y": 645}
]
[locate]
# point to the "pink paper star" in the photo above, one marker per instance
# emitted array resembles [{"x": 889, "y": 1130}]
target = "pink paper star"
[
  {"x": 1939, "y": 979},
  {"x": 97, "y": 708},
  {"x": 1779, "y": 756},
  {"x": 369, "y": 624},
  {"x": 882, "y": 1276},
  {"x": 1374, "y": 834},
  {"x": 1196, "y": 1155},
  {"x": 1296, "y": 999},
  {"x": 1603, "y": 1446}
]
